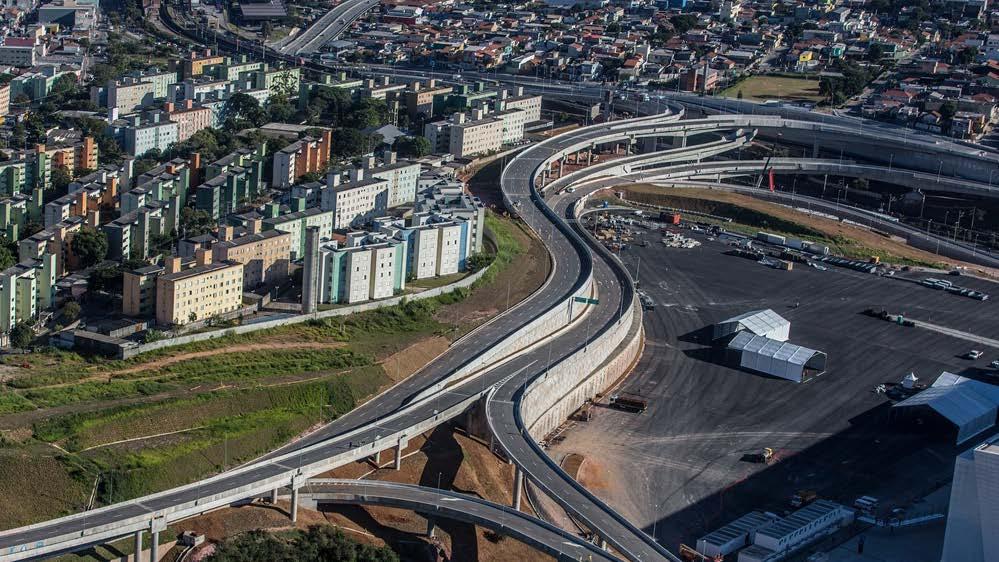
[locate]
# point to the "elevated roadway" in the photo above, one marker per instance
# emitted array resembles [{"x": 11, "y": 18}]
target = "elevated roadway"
[
  {"x": 328, "y": 27},
  {"x": 435, "y": 503},
  {"x": 433, "y": 396}
]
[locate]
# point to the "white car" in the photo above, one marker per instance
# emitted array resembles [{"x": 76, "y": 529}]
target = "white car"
[
  {"x": 994, "y": 364},
  {"x": 973, "y": 354}
]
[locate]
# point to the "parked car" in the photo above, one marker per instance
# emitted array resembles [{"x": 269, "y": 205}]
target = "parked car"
[{"x": 973, "y": 354}]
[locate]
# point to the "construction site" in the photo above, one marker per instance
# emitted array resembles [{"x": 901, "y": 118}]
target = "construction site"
[{"x": 718, "y": 437}]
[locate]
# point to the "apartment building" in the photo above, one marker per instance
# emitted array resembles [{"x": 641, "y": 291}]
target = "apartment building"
[
  {"x": 70, "y": 152},
  {"x": 190, "y": 118},
  {"x": 200, "y": 89},
  {"x": 230, "y": 181},
  {"x": 265, "y": 254},
  {"x": 479, "y": 135},
  {"x": 21, "y": 52},
  {"x": 25, "y": 171},
  {"x": 340, "y": 80},
  {"x": 367, "y": 267},
  {"x": 447, "y": 198},
  {"x": 37, "y": 83},
  {"x": 435, "y": 245},
  {"x": 308, "y": 155},
  {"x": 196, "y": 63},
  {"x": 15, "y": 211},
  {"x": 131, "y": 234},
  {"x": 129, "y": 94},
  {"x": 426, "y": 100},
  {"x": 402, "y": 178},
  {"x": 139, "y": 291},
  {"x": 513, "y": 124},
  {"x": 162, "y": 183},
  {"x": 529, "y": 104},
  {"x": 236, "y": 68},
  {"x": 356, "y": 202},
  {"x": 296, "y": 224},
  {"x": 203, "y": 291},
  {"x": 55, "y": 240},
  {"x": 25, "y": 289},
  {"x": 4, "y": 101},
  {"x": 140, "y": 134}
]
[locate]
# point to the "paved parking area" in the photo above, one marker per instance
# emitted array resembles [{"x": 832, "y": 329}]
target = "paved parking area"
[{"x": 677, "y": 469}]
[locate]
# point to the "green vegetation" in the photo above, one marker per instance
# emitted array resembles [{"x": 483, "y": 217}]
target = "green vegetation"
[
  {"x": 318, "y": 544},
  {"x": 763, "y": 87},
  {"x": 181, "y": 418}
]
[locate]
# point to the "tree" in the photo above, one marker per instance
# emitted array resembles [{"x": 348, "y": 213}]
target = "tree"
[
  {"x": 320, "y": 543},
  {"x": 60, "y": 180},
  {"x": 242, "y": 107},
  {"x": 349, "y": 142},
  {"x": 739, "y": 95},
  {"x": 875, "y": 52},
  {"x": 412, "y": 147},
  {"x": 90, "y": 246},
  {"x": 7, "y": 256},
  {"x": 21, "y": 335},
  {"x": 71, "y": 311},
  {"x": 106, "y": 278},
  {"x": 367, "y": 112},
  {"x": 948, "y": 110},
  {"x": 195, "y": 222}
]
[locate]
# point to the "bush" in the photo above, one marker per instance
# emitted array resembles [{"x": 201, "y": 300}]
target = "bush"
[
  {"x": 71, "y": 311},
  {"x": 21, "y": 335}
]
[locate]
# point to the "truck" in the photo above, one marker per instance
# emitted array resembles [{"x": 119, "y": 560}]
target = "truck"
[
  {"x": 803, "y": 497},
  {"x": 629, "y": 403},
  {"x": 765, "y": 456}
]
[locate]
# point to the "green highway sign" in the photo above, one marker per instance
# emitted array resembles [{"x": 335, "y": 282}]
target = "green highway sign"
[{"x": 585, "y": 300}]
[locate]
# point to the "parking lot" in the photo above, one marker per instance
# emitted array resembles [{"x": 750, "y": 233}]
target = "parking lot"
[{"x": 677, "y": 469}]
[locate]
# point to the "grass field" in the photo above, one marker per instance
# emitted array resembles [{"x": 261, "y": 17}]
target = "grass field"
[
  {"x": 174, "y": 415},
  {"x": 760, "y": 88}
]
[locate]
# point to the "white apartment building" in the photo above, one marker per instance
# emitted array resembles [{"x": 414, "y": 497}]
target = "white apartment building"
[
  {"x": 435, "y": 245},
  {"x": 513, "y": 124},
  {"x": 367, "y": 267},
  {"x": 402, "y": 178},
  {"x": 356, "y": 202},
  {"x": 973, "y": 517},
  {"x": 130, "y": 94},
  {"x": 480, "y": 135},
  {"x": 530, "y": 105}
]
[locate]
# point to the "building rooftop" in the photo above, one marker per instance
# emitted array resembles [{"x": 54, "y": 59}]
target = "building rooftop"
[{"x": 198, "y": 270}]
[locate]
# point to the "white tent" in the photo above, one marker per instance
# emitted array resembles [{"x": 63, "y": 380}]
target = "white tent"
[
  {"x": 968, "y": 404},
  {"x": 777, "y": 358},
  {"x": 766, "y": 323}
]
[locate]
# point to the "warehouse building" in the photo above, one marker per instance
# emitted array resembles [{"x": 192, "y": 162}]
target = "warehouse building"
[
  {"x": 735, "y": 535},
  {"x": 766, "y": 323},
  {"x": 775, "y": 357},
  {"x": 960, "y": 405},
  {"x": 973, "y": 518}
]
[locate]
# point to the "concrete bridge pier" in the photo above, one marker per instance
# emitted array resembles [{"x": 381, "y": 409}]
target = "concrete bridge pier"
[
  {"x": 518, "y": 488},
  {"x": 154, "y": 547},
  {"x": 398, "y": 452},
  {"x": 431, "y": 527},
  {"x": 274, "y": 496},
  {"x": 294, "y": 505},
  {"x": 377, "y": 459},
  {"x": 602, "y": 543},
  {"x": 138, "y": 546},
  {"x": 815, "y": 148},
  {"x": 649, "y": 144}
]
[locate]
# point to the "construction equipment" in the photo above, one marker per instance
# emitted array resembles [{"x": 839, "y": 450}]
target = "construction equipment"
[
  {"x": 691, "y": 555},
  {"x": 803, "y": 498},
  {"x": 766, "y": 456},
  {"x": 629, "y": 403}
]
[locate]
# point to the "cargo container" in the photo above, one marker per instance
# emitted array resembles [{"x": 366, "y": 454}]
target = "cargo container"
[
  {"x": 795, "y": 243},
  {"x": 771, "y": 238},
  {"x": 629, "y": 403}
]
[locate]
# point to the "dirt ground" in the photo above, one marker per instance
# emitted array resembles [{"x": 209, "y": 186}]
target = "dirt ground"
[
  {"x": 516, "y": 282},
  {"x": 828, "y": 227},
  {"x": 406, "y": 362},
  {"x": 446, "y": 455}
]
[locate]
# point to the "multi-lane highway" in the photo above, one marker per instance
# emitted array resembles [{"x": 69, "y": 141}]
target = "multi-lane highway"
[{"x": 328, "y": 27}]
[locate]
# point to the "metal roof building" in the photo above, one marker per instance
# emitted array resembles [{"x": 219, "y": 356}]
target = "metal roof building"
[
  {"x": 777, "y": 358},
  {"x": 733, "y": 536},
  {"x": 970, "y": 405},
  {"x": 766, "y": 323}
]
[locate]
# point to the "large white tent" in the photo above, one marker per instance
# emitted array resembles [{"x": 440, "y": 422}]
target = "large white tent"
[
  {"x": 968, "y": 404},
  {"x": 777, "y": 358},
  {"x": 766, "y": 323}
]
